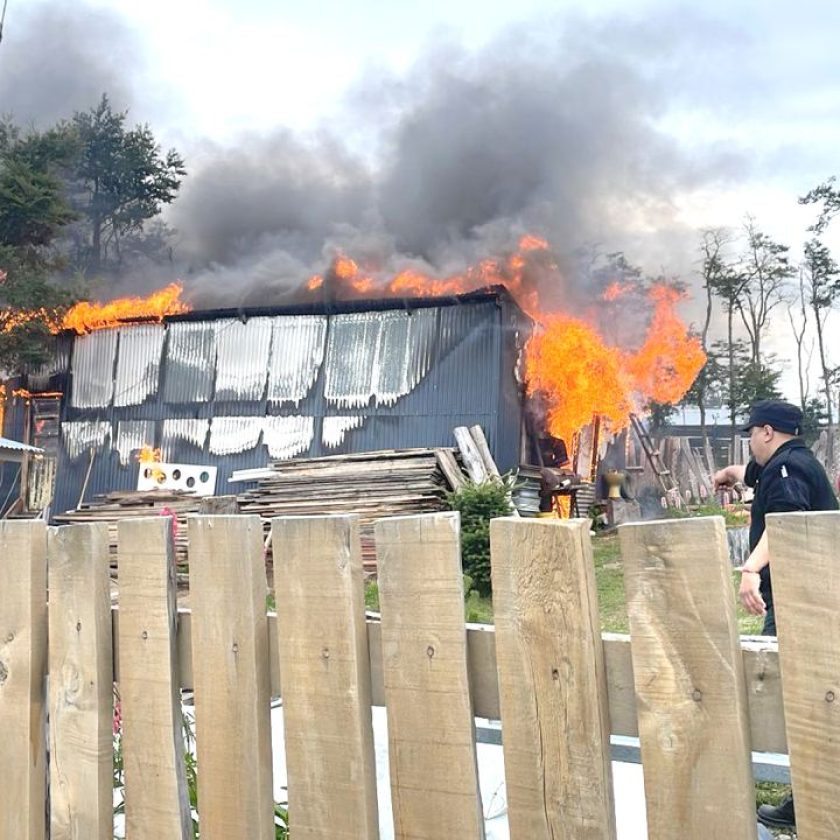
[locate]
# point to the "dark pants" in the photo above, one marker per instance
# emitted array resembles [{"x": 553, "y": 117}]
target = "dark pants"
[{"x": 769, "y": 622}]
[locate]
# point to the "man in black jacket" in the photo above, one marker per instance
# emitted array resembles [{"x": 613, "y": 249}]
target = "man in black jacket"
[{"x": 786, "y": 477}]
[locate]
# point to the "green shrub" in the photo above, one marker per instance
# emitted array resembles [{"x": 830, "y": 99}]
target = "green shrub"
[{"x": 478, "y": 504}]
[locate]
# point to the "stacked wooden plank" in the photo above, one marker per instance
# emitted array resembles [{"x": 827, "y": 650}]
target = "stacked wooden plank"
[
  {"x": 113, "y": 507},
  {"x": 370, "y": 484}
]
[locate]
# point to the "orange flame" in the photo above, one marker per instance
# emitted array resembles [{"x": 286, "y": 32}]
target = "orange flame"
[
  {"x": 85, "y": 317},
  {"x": 616, "y": 290},
  {"x": 580, "y": 374},
  {"x": 151, "y": 456}
]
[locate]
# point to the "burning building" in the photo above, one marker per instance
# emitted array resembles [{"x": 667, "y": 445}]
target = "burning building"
[
  {"x": 235, "y": 389},
  {"x": 361, "y": 365}
]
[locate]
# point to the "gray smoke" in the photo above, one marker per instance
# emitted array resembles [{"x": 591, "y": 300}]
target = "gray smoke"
[
  {"x": 450, "y": 164},
  {"x": 553, "y": 129},
  {"x": 56, "y": 58}
]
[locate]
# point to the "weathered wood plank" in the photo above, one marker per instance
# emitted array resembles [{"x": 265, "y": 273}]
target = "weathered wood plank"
[
  {"x": 688, "y": 671},
  {"x": 23, "y": 666},
  {"x": 156, "y": 799},
  {"x": 470, "y": 454},
  {"x": 322, "y": 646},
  {"x": 806, "y": 592},
  {"x": 434, "y": 778},
  {"x": 552, "y": 685},
  {"x": 81, "y": 684},
  {"x": 761, "y": 668},
  {"x": 231, "y": 675}
]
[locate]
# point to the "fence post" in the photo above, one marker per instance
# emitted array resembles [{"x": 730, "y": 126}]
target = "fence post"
[
  {"x": 156, "y": 800},
  {"x": 689, "y": 676},
  {"x": 322, "y": 645},
  {"x": 806, "y": 594},
  {"x": 23, "y": 666},
  {"x": 431, "y": 731},
  {"x": 81, "y": 684},
  {"x": 231, "y": 677},
  {"x": 552, "y": 681}
]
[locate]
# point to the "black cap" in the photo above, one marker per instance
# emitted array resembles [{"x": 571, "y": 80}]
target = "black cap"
[{"x": 782, "y": 416}]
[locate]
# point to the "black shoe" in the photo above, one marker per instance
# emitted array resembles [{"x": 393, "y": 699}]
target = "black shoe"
[{"x": 778, "y": 816}]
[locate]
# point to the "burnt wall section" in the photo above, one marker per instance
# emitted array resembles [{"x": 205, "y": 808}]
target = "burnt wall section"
[{"x": 237, "y": 392}]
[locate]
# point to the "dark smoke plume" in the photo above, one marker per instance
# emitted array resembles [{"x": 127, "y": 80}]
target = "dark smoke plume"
[
  {"x": 553, "y": 129},
  {"x": 553, "y": 136},
  {"x": 57, "y": 58}
]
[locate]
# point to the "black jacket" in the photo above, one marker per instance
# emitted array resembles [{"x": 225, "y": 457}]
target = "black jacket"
[{"x": 793, "y": 479}]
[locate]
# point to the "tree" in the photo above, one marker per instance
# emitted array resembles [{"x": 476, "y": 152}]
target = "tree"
[
  {"x": 713, "y": 272},
  {"x": 728, "y": 283},
  {"x": 828, "y": 196},
  {"x": 799, "y": 330},
  {"x": 33, "y": 212},
  {"x": 768, "y": 270},
  {"x": 746, "y": 381},
  {"x": 823, "y": 288},
  {"x": 123, "y": 179}
]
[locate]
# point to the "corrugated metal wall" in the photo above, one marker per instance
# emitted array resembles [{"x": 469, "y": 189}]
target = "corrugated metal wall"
[{"x": 236, "y": 393}]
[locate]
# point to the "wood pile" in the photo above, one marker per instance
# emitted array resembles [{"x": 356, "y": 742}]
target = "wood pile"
[
  {"x": 370, "y": 484},
  {"x": 112, "y": 507}
]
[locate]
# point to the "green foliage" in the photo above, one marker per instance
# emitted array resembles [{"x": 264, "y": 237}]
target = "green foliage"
[
  {"x": 827, "y": 195},
  {"x": 372, "y": 595},
  {"x": 478, "y": 504},
  {"x": 122, "y": 180},
  {"x": 281, "y": 813},
  {"x": 751, "y": 381}
]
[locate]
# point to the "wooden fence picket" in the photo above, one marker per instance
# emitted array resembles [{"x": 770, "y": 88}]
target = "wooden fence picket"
[
  {"x": 806, "y": 594},
  {"x": 156, "y": 800},
  {"x": 431, "y": 732},
  {"x": 552, "y": 682},
  {"x": 23, "y": 667},
  {"x": 689, "y": 676},
  {"x": 81, "y": 684},
  {"x": 322, "y": 645},
  {"x": 231, "y": 677}
]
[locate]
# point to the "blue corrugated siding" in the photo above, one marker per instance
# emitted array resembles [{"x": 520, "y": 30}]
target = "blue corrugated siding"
[{"x": 471, "y": 381}]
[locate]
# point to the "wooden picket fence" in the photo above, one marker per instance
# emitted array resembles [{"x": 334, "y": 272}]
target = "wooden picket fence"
[{"x": 698, "y": 698}]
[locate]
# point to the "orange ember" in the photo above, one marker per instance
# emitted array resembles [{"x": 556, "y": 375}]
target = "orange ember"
[
  {"x": 616, "y": 290},
  {"x": 148, "y": 455},
  {"x": 532, "y": 243},
  {"x": 151, "y": 456},
  {"x": 314, "y": 282},
  {"x": 85, "y": 317}
]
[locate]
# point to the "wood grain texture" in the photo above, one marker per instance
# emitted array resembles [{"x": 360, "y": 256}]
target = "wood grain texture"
[
  {"x": 434, "y": 779},
  {"x": 23, "y": 667},
  {"x": 322, "y": 646},
  {"x": 552, "y": 685},
  {"x": 806, "y": 594},
  {"x": 81, "y": 684},
  {"x": 689, "y": 677},
  {"x": 157, "y": 803},
  {"x": 231, "y": 676}
]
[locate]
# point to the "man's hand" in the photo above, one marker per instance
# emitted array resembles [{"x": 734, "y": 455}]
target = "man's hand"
[
  {"x": 729, "y": 476},
  {"x": 749, "y": 593}
]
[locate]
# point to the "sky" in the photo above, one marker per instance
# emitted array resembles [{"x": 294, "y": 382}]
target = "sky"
[{"x": 434, "y": 134}]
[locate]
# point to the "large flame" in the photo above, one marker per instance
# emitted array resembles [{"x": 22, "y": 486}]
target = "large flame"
[
  {"x": 579, "y": 373},
  {"x": 85, "y": 317}
]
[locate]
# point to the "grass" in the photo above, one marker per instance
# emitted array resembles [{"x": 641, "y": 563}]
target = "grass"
[{"x": 612, "y": 602}]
